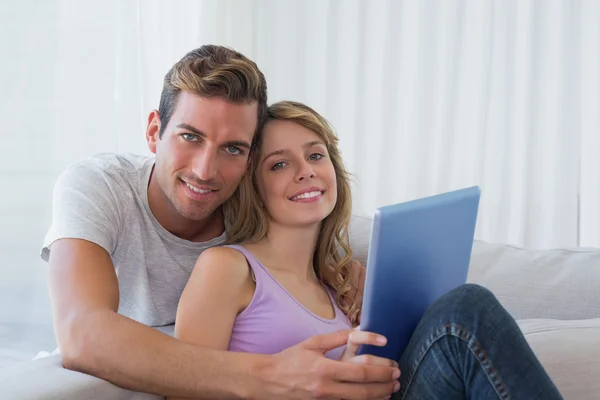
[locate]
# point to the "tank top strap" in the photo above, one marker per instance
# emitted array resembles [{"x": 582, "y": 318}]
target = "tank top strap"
[{"x": 258, "y": 270}]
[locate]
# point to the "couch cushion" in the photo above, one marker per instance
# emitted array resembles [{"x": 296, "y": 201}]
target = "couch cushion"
[
  {"x": 570, "y": 353},
  {"x": 46, "y": 379}
]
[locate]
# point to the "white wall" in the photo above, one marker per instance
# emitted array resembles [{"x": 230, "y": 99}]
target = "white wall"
[{"x": 426, "y": 96}]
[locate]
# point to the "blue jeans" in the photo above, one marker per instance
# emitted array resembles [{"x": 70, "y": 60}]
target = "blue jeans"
[{"x": 467, "y": 346}]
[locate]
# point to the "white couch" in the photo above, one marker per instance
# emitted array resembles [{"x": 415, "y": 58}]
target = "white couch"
[{"x": 553, "y": 294}]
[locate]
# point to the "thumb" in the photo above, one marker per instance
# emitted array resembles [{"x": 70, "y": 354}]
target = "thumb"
[
  {"x": 326, "y": 342},
  {"x": 352, "y": 346}
]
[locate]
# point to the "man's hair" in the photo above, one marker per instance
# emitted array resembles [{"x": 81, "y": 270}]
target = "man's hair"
[
  {"x": 214, "y": 71},
  {"x": 246, "y": 218}
]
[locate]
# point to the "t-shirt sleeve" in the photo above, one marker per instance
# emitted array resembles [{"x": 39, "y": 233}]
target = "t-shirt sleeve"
[{"x": 85, "y": 205}]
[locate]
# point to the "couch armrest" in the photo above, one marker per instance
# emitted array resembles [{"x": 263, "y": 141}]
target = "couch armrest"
[{"x": 46, "y": 379}]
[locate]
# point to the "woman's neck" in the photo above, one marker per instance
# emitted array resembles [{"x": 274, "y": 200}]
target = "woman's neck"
[{"x": 290, "y": 248}]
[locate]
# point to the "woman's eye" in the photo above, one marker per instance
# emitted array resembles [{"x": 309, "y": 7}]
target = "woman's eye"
[
  {"x": 190, "y": 137},
  {"x": 315, "y": 156},
  {"x": 234, "y": 150},
  {"x": 278, "y": 165}
]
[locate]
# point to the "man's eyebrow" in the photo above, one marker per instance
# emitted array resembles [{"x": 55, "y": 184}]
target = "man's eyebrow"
[
  {"x": 183, "y": 125},
  {"x": 306, "y": 146},
  {"x": 238, "y": 143}
]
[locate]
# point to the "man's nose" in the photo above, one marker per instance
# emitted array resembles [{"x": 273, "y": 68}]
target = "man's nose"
[{"x": 205, "y": 165}]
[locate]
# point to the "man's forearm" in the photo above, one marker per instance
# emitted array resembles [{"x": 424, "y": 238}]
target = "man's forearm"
[{"x": 134, "y": 356}]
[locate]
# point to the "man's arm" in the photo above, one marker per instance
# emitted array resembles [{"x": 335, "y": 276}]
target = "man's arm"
[{"x": 94, "y": 339}]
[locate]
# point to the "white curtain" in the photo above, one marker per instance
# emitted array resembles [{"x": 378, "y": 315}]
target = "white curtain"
[
  {"x": 426, "y": 96},
  {"x": 588, "y": 109}
]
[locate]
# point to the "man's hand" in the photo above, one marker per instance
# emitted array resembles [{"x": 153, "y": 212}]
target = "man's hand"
[
  {"x": 303, "y": 372},
  {"x": 356, "y": 338},
  {"x": 357, "y": 274}
]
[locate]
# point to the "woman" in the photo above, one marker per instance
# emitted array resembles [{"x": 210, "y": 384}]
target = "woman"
[{"x": 284, "y": 276}]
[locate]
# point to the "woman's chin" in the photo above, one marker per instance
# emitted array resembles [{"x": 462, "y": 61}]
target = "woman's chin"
[
  {"x": 307, "y": 220},
  {"x": 302, "y": 216}
]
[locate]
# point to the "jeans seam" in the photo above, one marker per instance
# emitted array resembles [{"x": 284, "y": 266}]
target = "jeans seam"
[{"x": 474, "y": 347}]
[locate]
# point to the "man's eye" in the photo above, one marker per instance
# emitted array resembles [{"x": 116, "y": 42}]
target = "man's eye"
[
  {"x": 190, "y": 137},
  {"x": 234, "y": 150}
]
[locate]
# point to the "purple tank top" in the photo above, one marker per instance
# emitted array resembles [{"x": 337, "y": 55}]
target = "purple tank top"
[{"x": 274, "y": 320}]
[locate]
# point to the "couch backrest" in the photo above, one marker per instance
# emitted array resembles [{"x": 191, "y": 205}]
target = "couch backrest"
[
  {"x": 559, "y": 283},
  {"x": 360, "y": 235}
]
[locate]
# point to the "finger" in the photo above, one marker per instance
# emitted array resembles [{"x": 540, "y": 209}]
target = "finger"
[
  {"x": 358, "y": 337},
  {"x": 326, "y": 342},
  {"x": 351, "y": 349},
  {"x": 364, "y": 373},
  {"x": 353, "y": 391},
  {"x": 369, "y": 359}
]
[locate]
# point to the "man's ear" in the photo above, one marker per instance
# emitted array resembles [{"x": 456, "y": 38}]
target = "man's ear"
[{"x": 153, "y": 130}]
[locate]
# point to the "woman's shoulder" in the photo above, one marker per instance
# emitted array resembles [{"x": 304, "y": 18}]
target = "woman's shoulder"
[
  {"x": 223, "y": 261},
  {"x": 225, "y": 252},
  {"x": 222, "y": 272}
]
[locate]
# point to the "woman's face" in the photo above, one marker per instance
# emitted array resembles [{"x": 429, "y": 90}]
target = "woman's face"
[{"x": 296, "y": 179}]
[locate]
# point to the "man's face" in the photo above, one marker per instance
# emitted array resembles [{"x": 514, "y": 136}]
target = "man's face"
[{"x": 203, "y": 153}]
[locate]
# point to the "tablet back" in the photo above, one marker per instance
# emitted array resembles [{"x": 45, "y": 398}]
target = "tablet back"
[{"x": 419, "y": 250}]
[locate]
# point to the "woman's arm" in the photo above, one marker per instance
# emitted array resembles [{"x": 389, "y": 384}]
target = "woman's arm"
[{"x": 219, "y": 287}]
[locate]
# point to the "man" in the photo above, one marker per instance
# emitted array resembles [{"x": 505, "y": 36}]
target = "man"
[{"x": 126, "y": 233}]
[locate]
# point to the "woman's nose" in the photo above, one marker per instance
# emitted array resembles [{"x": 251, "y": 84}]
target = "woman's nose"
[{"x": 306, "y": 174}]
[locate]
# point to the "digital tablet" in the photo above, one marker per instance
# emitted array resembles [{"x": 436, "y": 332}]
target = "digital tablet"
[{"x": 419, "y": 250}]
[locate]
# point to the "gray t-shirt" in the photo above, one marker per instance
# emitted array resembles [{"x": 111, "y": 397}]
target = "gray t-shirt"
[{"x": 104, "y": 199}]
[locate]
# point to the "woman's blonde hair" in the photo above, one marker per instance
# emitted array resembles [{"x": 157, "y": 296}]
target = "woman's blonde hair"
[{"x": 246, "y": 219}]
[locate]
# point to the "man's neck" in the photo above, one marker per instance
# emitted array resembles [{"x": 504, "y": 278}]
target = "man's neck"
[
  {"x": 186, "y": 229},
  {"x": 195, "y": 230}
]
